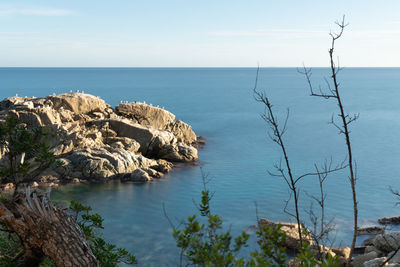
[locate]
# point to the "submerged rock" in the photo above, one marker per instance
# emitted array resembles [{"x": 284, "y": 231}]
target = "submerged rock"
[
  {"x": 390, "y": 220},
  {"x": 371, "y": 230},
  {"x": 136, "y": 142}
]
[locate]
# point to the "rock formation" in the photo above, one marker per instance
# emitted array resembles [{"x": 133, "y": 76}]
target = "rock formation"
[{"x": 134, "y": 142}]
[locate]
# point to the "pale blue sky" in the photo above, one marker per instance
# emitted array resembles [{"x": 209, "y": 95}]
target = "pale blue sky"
[{"x": 174, "y": 33}]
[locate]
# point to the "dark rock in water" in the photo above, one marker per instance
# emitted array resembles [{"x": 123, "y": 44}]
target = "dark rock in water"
[
  {"x": 372, "y": 230},
  {"x": 389, "y": 220}
]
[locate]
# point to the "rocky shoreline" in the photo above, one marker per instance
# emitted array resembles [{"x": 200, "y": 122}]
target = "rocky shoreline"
[
  {"x": 133, "y": 142},
  {"x": 380, "y": 249}
]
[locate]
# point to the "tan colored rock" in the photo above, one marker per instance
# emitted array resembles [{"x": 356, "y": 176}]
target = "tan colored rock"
[
  {"x": 9, "y": 186},
  {"x": 106, "y": 162},
  {"x": 342, "y": 251},
  {"x": 79, "y": 103},
  {"x": 123, "y": 142},
  {"x": 163, "y": 166},
  {"x": 183, "y": 132},
  {"x": 179, "y": 153},
  {"x": 139, "y": 176},
  {"x": 96, "y": 143},
  {"x": 146, "y": 114},
  {"x": 48, "y": 116},
  {"x": 30, "y": 118},
  {"x": 125, "y": 128}
]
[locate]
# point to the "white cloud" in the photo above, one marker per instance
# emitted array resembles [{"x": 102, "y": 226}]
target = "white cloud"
[{"x": 35, "y": 12}]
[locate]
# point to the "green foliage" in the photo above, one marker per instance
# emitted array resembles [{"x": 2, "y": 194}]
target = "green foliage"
[
  {"x": 24, "y": 150},
  {"x": 307, "y": 258},
  {"x": 107, "y": 254},
  {"x": 271, "y": 240},
  {"x": 9, "y": 248},
  {"x": 205, "y": 244}
]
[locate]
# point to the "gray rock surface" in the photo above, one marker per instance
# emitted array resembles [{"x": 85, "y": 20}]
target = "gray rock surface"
[
  {"x": 358, "y": 261},
  {"x": 387, "y": 242}
]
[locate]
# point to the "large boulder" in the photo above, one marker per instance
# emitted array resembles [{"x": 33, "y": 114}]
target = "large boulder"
[
  {"x": 179, "y": 152},
  {"x": 106, "y": 162},
  {"x": 129, "y": 129},
  {"x": 387, "y": 242},
  {"x": 146, "y": 114},
  {"x": 142, "y": 175},
  {"x": 78, "y": 103},
  {"x": 183, "y": 132},
  {"x": 359, "y": 261}
]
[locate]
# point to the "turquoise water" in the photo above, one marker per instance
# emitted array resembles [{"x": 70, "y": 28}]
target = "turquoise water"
[{"x": 219, "y": 105}]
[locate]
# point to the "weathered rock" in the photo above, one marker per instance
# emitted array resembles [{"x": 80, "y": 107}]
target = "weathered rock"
[
  {"x": 142, "y": 175},
  {"x": 183, "y": 132},
  {"x": 163, "y": 166},
  {"x": 390, "y": 220},
  {"x": 30, "y": 118},
  {"x": 138, "y": 175},
  {"x": 78, "y": 103},
  {"x": 396, "y": 257},
  {"x": 179, "y": 153},
  {"x": 146, "y": 114},
  {"x": 387, "y": 242},
  {"x": 342, "y": 251},
  {"x": 371, "y": 230},
  {"x": 358, "y": 261},
  {"x": 368, "y": 241},
  {"x": 96, "y": 143},
  {"x": 369, "y": 249},
  {"x": 374, "y": 262},
  {"x": 107, "y": 162},
  {"x": 126, "y": 128}
]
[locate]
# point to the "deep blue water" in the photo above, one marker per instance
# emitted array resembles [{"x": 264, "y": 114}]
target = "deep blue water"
[{"x": 219, "y": 105}]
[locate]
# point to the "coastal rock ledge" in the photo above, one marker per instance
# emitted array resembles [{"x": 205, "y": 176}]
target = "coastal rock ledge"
[{"x": 133, "y": 142}]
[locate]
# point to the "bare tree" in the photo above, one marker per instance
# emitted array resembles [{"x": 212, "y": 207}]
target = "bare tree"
[
  {"x": 286, "y": 172},
  {"x": 332, "y": 92},
  {"x": 321, "y": 228}
]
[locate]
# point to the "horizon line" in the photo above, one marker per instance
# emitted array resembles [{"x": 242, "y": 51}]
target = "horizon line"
[{"x": 219, "y": 67}]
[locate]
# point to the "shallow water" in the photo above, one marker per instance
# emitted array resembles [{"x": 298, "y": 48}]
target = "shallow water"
[{"x": 219, "y": 105}]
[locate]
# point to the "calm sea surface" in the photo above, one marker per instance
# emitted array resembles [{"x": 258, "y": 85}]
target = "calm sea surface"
[{"x": 219, "y": 105}]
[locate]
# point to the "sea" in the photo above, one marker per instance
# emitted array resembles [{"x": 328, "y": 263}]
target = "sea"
[{"x": 219, "y": 104}]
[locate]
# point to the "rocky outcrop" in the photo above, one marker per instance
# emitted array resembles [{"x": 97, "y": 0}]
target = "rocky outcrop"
[
  {"x": 147, "y": 115},
  {"x": 380, "y": 248},
  {"x": 135, "y": 142}
]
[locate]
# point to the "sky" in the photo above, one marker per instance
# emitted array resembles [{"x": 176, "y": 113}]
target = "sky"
[{"x": 188, "y": 33}]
